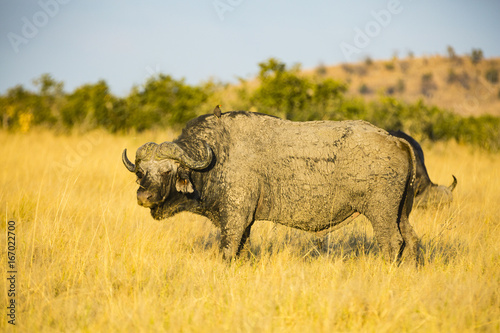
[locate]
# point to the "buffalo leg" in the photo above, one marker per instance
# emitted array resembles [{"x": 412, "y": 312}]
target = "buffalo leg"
[
  {"x": 389, "y": 239},
  {"x": 238, "y": 215},
  {"x": 387, "y": 234},
  {"x": 410, "y": 251},
  {"x": 244, "y": 239},
  {"x": 234, "y": 233}
]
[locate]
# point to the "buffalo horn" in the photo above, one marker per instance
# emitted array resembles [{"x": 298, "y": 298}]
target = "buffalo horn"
[
  {"x": 129, "y": 165},
  {"x": 173, "y": 151},
  {"x": 452, "y": 186}
]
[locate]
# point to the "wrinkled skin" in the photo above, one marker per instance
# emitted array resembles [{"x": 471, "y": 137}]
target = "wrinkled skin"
[
  {"x": 427, "y": 194},
  {"x": 314, "y": 176}
]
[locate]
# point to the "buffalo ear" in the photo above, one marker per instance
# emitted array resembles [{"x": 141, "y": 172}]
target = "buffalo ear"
[{"x": 183, "y": 183}]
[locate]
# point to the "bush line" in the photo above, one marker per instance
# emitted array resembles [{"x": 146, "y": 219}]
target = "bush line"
[{"x": 285, "y": 92}]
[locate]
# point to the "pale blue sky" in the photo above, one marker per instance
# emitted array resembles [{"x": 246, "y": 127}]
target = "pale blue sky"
[{"x": 124, "y": 42}]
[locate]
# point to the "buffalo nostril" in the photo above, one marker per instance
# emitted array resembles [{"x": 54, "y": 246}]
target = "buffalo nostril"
[{"x": 143, "y": 199}]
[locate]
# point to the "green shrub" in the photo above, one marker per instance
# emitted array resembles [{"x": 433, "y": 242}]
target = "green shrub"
[
  {"x": 88, "y": 106},
  {"x": 404, "y": 65},
  {"x": 389, "y": 66},
  {"x": 400, "y": 86},
  {"x": 492, "y": 75},
  {"x": 321, "y": 70},
  {"x": 283, "y": 92},
  {"x": 476, "y": 56},
  {"x": 451, "y": 52},
  {"x": 172, "y": 100},
  {"x": 364, "y": 89},
  {"x": 427, "y": 84}
]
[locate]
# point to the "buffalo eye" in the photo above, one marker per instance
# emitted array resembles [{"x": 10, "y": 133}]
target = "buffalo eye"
[{"x": 139, "y": 174}]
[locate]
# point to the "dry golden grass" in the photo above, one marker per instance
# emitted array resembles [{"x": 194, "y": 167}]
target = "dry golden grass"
[{"x": 89, "y": 259}]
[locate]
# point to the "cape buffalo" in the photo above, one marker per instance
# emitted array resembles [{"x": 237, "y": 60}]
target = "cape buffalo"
[
  {"x": 314, "y": 176},
  {"x": 426, "y": 192}
]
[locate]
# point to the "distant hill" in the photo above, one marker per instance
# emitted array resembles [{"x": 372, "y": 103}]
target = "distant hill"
[{"x": 453, "y": 83}]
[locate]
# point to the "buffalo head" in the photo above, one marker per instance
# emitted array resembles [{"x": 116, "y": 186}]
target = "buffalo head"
[
  {"x": 163, "y": 171},
  {"x": 436, "y": 194}
]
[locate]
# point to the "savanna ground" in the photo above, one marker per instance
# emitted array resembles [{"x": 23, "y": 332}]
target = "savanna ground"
[{"x": 90, "y": 259}]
